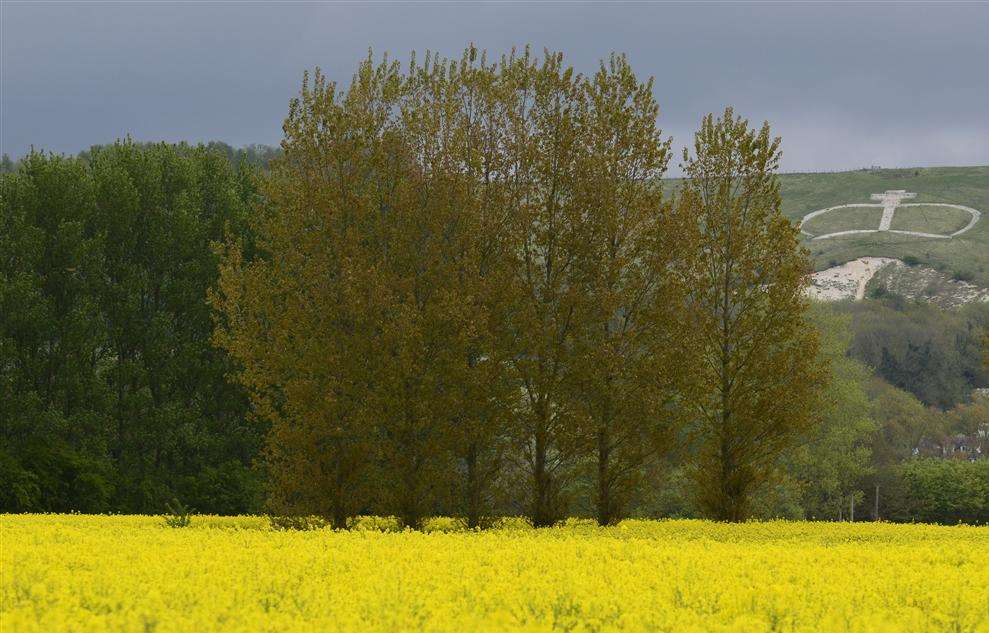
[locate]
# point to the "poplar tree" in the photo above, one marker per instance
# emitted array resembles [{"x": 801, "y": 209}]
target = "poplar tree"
[
  {"x": 630, "y": 362},
  {"x": 425, "y": 382},
  {"x": 302, "y": 308},
  {"x": 548, "y": 242},
  {"x": 485, "y": 390},
  {"x": 758, "y": 373}
]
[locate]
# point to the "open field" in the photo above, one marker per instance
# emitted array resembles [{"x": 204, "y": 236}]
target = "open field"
[{"x": 75, "y": 573}]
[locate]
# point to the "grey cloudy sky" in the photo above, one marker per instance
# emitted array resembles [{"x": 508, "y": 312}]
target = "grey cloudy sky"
[{"x": 845, "y": 85}]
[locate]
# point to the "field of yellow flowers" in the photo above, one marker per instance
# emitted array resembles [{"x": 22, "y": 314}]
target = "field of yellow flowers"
[{"x": 92, "y": 573}]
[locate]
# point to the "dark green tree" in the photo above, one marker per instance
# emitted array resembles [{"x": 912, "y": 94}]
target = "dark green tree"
[{"x": 110, "y": 382}]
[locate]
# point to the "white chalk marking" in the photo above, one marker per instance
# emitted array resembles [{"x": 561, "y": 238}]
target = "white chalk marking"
[{"x": 890, "y": 201}]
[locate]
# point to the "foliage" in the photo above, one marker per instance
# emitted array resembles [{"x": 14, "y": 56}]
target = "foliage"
[
  {"x": 236, "y": 573},
  {"x": 7, "y": 165},
  {"x": 438, "y": 255},
  {"x": 940, "y": 491},
  {"x": 179, "y": 516},
  {"x": 110, "y": 391},
  {"x": 355, "y": 322},
  {"x": 934, "y": 354},
  {"x": 828, "y": 467},
  {"x": 629, "y": 365},
  {"x": 757, "y": 363}
]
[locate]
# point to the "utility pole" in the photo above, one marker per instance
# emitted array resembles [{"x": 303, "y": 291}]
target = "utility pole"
[{"x": 875, "y": 508}]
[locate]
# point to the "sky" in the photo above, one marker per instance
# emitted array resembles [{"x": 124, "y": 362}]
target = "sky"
[{"x": 845, "y": 85}]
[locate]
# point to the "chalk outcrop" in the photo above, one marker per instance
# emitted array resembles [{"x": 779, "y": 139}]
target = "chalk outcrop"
[
  {"x": 852, "y": 280},
  {"x": 847, "y": 281}
]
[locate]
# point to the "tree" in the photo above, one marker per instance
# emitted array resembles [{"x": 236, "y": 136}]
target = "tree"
[
  {"x": 362, "y": 325},
  {"x": 759, "y": 374},
  {"x": 299, "y": 314},
  {"x": 941, "y": 491},
  {"x": 831, "y": 463},
  {"x": 439, "y": 391},
  {"x": 160, "y": 209},
  {"x": 547, "y": 241},
  {"x": 54, "y": 400},
  {"x": 117, "y": 400},
  {"x": 475, "y": 96},
  {"x": 628, "y": 362}
]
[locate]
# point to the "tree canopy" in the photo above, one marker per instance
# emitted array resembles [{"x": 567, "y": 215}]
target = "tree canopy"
[{"x": 461, "y": 287}]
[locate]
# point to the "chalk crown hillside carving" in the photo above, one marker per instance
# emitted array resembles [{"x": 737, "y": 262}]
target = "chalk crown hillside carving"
[{"x": 889, "y": 213}]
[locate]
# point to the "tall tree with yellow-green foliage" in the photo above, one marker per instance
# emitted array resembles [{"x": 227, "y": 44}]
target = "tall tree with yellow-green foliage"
[
  {"x": 474, "y": 97},
  {"x": 362, "y": 324},
  {"x": 441, "y": 387},
  {"x": 298, "y": 314},
  {"x": 758, "y": 366},
  {"x": 630, "y": 361},
  {"x": 548, "y": 241}
]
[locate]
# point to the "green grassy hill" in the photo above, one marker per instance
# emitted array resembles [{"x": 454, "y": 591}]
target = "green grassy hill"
[{"x": 964, "y": 257}]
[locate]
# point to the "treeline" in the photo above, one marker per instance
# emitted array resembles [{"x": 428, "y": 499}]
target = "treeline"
[
  {"x": 111, "y": 396},
  {"x": 468, "y": 295},
  {"x": 256, "y": 155},
  {"x": 936, "y": 355},
  {"x": 458, "y": 288}
]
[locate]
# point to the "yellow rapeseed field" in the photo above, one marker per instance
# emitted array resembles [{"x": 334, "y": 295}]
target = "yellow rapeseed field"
[{"x": 92, "y": 573}]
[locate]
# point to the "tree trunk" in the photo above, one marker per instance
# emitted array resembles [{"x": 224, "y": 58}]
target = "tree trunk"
[
  {"x": 473, "y": 488},
  {"x": 339, "y": 516},
  {"x": 410, "y": 510},
  {"x": 606, "y": 513},
  {"x": 542, "y": 512},
  {"x": 733, "y": 500},
  {"x": 339, "y": 519}
]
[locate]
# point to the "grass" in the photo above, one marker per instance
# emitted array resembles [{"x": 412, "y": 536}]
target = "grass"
[
  {"x": 968, "y": 186},
  {"x": 845, "y": 220},
  {"x": 131, "y": 573},
  {"x": 930, "y": 219}
]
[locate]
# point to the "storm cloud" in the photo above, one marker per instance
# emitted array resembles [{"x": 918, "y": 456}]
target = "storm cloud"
[{"x": 845, "y": 85}]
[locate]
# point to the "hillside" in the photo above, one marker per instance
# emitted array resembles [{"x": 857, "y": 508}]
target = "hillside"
[{"x": 965, "y": 257}]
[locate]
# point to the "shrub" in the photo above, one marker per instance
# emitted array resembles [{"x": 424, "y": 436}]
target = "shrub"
[
  {"x": 179, "y": 516},
  {"x": 940, "y": 491},
  {"x": 297, "y": 522},
  {"x": 878, "y": 292}
]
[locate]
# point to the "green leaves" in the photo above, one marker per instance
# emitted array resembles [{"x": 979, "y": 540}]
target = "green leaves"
[
  {"x": 759, "y": 375},
  {"x": 105, "y": 326}
]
